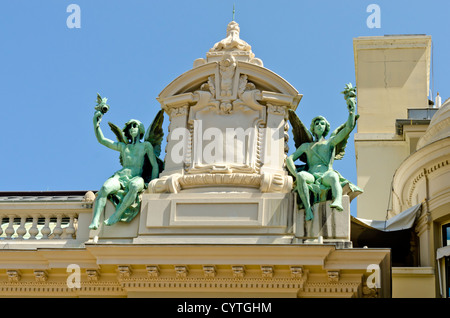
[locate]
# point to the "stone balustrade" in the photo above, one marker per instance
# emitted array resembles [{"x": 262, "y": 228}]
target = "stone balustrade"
[
  {"x": 50, "y": 219},
  {"x": 32, "y": 226}
]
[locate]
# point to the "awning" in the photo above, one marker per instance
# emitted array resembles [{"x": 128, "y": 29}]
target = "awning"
[
  {"x": 442, "y": 252},
  {"x": 395, "y": 233},
  {"x": 402, "y": 221}
]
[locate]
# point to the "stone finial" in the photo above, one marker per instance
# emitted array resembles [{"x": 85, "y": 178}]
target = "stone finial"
[
  {"x": 233, "y": 45},
  {"x": 89, "y": 197},
  {"x": 232, "y": 42}
]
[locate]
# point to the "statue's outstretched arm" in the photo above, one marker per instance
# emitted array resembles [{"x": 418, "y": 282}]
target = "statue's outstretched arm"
[
  {"x": 349, "y": 125},
  {"x": 99, "y": 134}
]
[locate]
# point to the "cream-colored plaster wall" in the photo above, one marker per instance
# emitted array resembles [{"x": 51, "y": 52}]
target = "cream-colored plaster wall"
[
  {"x": 388, "y": 85},
  {"x": 392, "y": 75},
  {"x": 413, "y": 282},
  {"x": 376, "y": 162}
]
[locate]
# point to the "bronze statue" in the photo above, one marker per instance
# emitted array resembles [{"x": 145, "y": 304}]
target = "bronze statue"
[
  {"x": 140, "y": 164},
  {"x": 317, "y": 176}
]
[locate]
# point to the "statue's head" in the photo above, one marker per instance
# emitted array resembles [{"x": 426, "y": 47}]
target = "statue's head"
[
  {"x": 320, "y": 127},
  {"x": 133, "y": 128},
  {"x": 233, "y": 27}
]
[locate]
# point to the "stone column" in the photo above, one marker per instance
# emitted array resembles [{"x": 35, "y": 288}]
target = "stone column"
[
  {"x": 274, "y": 176},
  {"x": 177, "y": 107}
]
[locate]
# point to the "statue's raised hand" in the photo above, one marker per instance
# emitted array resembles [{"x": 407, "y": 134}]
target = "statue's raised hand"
[
  {"x": 350, "y": 97},
  {"x": 97, "y": 118},
  {"x": 351, "y": 105}
]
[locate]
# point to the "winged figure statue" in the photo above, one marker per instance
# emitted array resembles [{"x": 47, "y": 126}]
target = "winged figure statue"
[
  {"x": 140, "y": 164},
  {"x": 316, "y": 176}
]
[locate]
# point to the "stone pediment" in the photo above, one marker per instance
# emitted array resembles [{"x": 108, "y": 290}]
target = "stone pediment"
[{"x": 264, "y": 80}]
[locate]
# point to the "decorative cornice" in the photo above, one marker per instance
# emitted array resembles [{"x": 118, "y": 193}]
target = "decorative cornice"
[
  {"x": 333, "y": 276},
  {"x": 195, "y": 278},
  {"x": 124, "y": 271},
  {"x": 209, "y": 271},
  {"x": 424, "y": 162},
  {"x": 153, "y": 271},
  {"x": 13, "y": 276},
  {"x": 238, "y": 271},
  {"x": 210, "y": 179},
  {"x": 181, "y": 271},
  {"x": 92, "y": 275},
  {"x": 267, "y": 271},
  {"x": 331, "y": 287},
  {"x": 425, "y": 172},
  {"x": 40, "y": 276}
]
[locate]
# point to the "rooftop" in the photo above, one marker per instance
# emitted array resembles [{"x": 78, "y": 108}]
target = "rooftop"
[{"x": 54, "y": 196}]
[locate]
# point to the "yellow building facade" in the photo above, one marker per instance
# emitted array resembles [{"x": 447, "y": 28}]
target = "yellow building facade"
[{"x": 402, "y": 153}]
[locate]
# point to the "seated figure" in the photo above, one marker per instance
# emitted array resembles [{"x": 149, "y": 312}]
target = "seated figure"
[
  {"x": 140, "y": 165},
  {"x": 317, "y": 176}
]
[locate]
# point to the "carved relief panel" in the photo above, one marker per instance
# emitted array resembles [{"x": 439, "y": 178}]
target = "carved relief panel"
[{"x": 225, "y": 124}]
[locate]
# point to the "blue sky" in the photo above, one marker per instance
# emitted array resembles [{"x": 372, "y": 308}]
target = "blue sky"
[{"x": 128, "y": 51}]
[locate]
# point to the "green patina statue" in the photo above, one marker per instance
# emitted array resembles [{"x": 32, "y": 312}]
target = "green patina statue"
[
  {"x": 140, "y": 164},
  {"x": 316, "y": 177}
]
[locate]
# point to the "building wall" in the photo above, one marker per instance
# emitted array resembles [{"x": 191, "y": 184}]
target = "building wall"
[
  {"x": 376, "y": 163},
  {"x": 413, "y": 282},
  {"x": 392, "y": 75},
  {"x": 401, "y": 164}
]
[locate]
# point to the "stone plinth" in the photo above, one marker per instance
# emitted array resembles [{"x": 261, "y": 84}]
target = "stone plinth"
[
  {"x": 228, "y": 218},
  {"x": 328, "y": 225},
  {"x": 121, "y": 232},
  {"x": 216, "y": 218}
]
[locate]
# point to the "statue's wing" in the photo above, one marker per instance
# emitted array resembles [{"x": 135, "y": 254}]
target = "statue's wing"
[
  {"x": 300, "y": 132},
  {"x": 155, "y": 132},
  {"x": 340, "y": 147},
  {"x": 147, "y": 169},
  {"x": 118, "y": 132},
  {"x": 154, "y": 135}
]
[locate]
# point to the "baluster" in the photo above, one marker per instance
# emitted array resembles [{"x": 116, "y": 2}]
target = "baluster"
[
  {"x": 34, "y": 229},
  {"x": 46, "y": 228},
  {"x": 70, "y": 229},
  {"x": 57, "y": 231},
  {"x": 1, "y": 224},
  {"x": 10, "y": 229},
  {"x": 21, "y": 230}
]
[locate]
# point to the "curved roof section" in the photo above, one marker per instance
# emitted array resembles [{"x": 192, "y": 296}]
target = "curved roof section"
[
  {"x": 439, "y": 127},
  {"x": 260, "y": 76}
]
